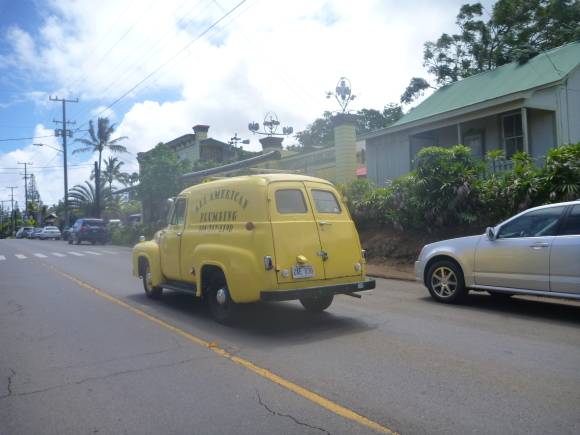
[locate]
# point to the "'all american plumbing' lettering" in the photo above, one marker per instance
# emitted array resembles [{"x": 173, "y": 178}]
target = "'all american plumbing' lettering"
[
  {"x": 232, "y": 195},
  {"x": 218, "y": 216}
]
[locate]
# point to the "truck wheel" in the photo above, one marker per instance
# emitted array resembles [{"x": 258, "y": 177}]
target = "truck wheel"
[
  {"x": 103, "y": 242},
  {"x": 221, "y": 305},
  {"x": 94, "y": 242},
  {"x": 318, "y": 304},
  {"x": 445, "y": 282},
  {"x": 151, "y": 291},
  {"x": 78, "y": 240},
  {"x": 69, "y": 241}
]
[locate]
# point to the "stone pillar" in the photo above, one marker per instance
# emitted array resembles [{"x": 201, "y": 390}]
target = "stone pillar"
[
  {"x": 345, "y": 146},
  {"x": 200, "y": 134},
  {"x": 269, "y": 144}
]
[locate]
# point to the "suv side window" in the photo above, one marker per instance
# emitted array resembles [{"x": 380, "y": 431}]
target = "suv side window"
[
  {"x": 325, "y": 202},
  {"x": 533, "y": 224},
  {"x": 178, "y": 217},
  {"x": 573, "y": 224},
  {"x": 290, "y": 201}
]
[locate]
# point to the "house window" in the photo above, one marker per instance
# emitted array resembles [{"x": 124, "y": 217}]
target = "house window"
[{"x": 513, "y": 134}]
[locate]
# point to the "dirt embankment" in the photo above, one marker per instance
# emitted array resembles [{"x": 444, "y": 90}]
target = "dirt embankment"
[{"x": 392, "y": 253}]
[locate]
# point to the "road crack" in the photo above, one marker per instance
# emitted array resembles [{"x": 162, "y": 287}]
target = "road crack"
[{"x": 289, "y": 416}]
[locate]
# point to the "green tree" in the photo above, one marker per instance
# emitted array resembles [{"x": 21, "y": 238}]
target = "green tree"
[
  {"x": 516, "y": 31},
  {"x": 83, "y": 200},
  {"x": 101, "y": 139},
  {"x": 112, "y": 172},
  {"x": 372, "y": 119},
  {"x": 159, "y": 174}
]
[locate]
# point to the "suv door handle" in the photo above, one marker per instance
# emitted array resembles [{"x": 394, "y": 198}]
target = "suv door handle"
[{"x": 539, "y": 245}]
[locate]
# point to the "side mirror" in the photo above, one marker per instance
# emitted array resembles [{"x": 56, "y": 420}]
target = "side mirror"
[{"x": 490, "y": 234}]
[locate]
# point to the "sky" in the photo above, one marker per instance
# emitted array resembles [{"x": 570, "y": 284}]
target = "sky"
[{"x": 156, "y": 68}]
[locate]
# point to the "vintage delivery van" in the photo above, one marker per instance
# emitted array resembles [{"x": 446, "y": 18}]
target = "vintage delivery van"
[{"x": 272, "y": 237}]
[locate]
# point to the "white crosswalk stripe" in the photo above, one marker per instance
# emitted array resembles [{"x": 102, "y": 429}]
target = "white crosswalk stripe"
[
  {"x": 57, "y": 254},
  {"x": 40, "y": 255},
  {"x": 77, "y": 254},
  {"x": 110, "y": 252},
  {"x": 20, "y": 256},
  {"x": 2, "y": 257},
  {"x": 91, "y": 252}
]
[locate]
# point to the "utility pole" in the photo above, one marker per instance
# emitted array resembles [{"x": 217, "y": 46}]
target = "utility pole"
[
  {"x": 25, "y": 188},
  {"x": 98, "y": 190},
  {"x": 64, "y": 133},
  {"x": 12, "y": 212}
]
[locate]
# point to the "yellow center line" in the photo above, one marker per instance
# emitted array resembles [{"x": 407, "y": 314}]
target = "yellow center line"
[{"x": 325, "y": 403}]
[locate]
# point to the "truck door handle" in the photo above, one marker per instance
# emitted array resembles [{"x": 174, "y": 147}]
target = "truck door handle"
[
  {"x": 178, "y": 234},
  {"x": 324, "y": 223},
  {"x": 539, "y": 245}
]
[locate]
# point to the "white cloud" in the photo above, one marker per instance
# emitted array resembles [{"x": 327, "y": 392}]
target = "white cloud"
[{"x": 277, "y": 56}]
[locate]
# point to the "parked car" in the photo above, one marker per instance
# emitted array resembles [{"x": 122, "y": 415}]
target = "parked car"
[
  {"x": 88, "y": 229},
  {"x": 23, "y": 232},
  {"x": 65, "y": 231},
  {"x": 50, "y": 233},
  {"x": 536, "y": 252},
  {"x": 114, "y": 223},
  {"x": 34, "y": 234},
  {"x": 134, "y": 220}
]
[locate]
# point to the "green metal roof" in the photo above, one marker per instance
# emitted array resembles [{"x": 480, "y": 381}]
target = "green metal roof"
[{"x": 543, "y": 69}]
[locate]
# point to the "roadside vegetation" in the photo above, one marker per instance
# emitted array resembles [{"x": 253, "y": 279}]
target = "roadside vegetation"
[{"x": 450, "y": 189}]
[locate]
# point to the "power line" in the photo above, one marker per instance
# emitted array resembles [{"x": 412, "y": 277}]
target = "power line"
[
  {"x": 173, "y": 57},
  {"x": 25, "y": 138}
]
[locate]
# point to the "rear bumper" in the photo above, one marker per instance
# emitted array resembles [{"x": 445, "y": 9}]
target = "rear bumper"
[{"x": 312, "y": 292}]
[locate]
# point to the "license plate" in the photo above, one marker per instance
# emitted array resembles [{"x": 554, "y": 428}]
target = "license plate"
[{"x": 303, "y": 271}]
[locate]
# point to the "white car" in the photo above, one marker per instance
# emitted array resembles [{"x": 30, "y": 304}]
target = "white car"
[
  {"x": 50, "y": 233},
  {"x": 536, "y": 252}
]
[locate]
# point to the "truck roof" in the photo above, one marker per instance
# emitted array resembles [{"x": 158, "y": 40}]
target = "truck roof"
[{"x": 257, "y": 180}]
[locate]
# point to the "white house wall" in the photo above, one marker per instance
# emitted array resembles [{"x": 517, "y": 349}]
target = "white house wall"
[
  {"x": 542, "y": 131},
  {"x": 388, "y": 157},
  {"x": 569, "y": 97}
]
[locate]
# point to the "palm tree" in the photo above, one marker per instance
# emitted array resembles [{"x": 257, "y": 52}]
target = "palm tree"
[
  {"x": 112, "y": 172},
  {"x": 102, "y": 139},
  {"x": 83, "y": 198}
]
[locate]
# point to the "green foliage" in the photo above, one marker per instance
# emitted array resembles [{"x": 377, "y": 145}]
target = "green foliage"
[
  {"x": 450, "y": 189},
  {"x": 372, "y": 120},
  {"x": 354, "y": 193},
  {"x": 160, "y": 170},
  {"x": 101, "y": 139},
  {"x": 516, "y": 31},
  {"x": 82, "y": 199}
]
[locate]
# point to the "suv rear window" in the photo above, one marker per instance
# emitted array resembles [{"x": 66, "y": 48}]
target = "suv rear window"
[
  {"x": 290, "y": 201},
  {"x": 325, "y": 202}
]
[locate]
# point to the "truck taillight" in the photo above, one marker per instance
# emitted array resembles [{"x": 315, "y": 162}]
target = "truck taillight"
[
  {"x": 363, "y": 254},
  {"x": 83, "y": 229},
  {"x": 105, "y": 230},
  {"x": 268, "y": 262}
]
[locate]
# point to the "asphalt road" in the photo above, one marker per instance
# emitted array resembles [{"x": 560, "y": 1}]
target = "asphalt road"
[{"x": 84, "y": 351}]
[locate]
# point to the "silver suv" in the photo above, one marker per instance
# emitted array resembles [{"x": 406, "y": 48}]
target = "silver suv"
[{"x": 535, "y": 252}]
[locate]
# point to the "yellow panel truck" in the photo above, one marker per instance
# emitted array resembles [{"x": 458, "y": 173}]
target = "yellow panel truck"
[{"x": 267, "y": 237}]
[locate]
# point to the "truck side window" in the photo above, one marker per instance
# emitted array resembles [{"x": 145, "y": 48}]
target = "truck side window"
[
  {"x": 325, "y": 202},
  {"x": 178, "y": 217},
  {"x": 290, "y": 201}
]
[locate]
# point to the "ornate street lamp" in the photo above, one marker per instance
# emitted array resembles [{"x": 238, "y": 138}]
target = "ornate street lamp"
[
  {"x": 270, "y": 126},
  {"x": 343, "y": 93}
]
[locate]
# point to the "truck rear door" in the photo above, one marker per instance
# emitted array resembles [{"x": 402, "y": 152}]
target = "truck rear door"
[
  {"x": 294, "y": 229},
  {"x": 338, "y": 236}
]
